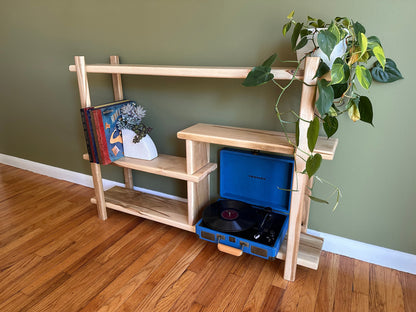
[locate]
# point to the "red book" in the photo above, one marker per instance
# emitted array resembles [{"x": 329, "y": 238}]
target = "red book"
[{"x": 101, "y": 140}]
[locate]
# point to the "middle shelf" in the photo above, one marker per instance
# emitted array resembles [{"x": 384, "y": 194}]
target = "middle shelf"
[{"x": 165, "y": 165}]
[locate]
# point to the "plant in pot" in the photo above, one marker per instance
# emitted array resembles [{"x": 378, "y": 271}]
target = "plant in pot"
[
  {"x": 350, "y": 62},
  {"x": 136, "y": 140}
]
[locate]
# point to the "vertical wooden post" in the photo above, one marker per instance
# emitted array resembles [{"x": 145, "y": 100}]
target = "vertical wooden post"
[
  {"x": 306, "y": 206},
  {"x": 118, "y": 96},
  {"x": 300, "y": 180},
  {"x": 197, "y": 156},
  {"x": 84, "y": 94}
]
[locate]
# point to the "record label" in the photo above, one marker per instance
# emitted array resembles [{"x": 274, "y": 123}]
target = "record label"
[{"x": 229, "y": 214}]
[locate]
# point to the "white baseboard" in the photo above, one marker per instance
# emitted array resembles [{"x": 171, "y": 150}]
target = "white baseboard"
[
  {"x": 385, "y": 257},
  {"x": 339, "y": 245},
  {"x": 71, "y": 176}
]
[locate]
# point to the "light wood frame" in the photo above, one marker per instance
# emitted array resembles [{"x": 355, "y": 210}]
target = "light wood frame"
[{"x": 196, "y": 167}]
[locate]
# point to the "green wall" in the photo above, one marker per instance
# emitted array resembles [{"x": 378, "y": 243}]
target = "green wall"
[{"x": 39, "y": 96}]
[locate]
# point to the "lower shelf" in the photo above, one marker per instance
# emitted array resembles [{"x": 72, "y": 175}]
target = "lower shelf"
[
  {"x": 163, "y": 210},
  {"x": 175, "y": 213},
  {"x": 309, "y": 253}
]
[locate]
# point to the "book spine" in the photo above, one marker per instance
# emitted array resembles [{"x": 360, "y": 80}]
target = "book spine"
[
  {"x": 86, "y": 134},
  {"x": 102, "y": 142},
  {"x": 91, "y": 135}
]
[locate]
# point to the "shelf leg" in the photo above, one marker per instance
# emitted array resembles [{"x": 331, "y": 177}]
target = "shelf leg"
[
  {"x": 197, "y": 156},
  {"x": 306, "y": 113},
  {"x": 306, "y": 206},
  {"x": 118, "y": 96},
  {"x": 198, "y": 197},
  {"x": 128, "y": 178},
  {"x": 99, "y": 191}
]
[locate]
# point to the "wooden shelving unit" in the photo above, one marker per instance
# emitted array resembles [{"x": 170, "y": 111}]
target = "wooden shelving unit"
[{"x": 298, "y": 247}]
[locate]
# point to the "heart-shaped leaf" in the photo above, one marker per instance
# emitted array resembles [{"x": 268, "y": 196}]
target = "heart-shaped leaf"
[
  {"x": 366, "y": 110},
  {"x": 257, "y": 76},
  {"x": 312, "y": 164},
  {"x": 301, "y": 43},
  {"x": 340, "y": 71},
  {"x": 363, "y": 76},
  {"x": 389, "y": 74},
  {"x": 358, "y": 28},
  {"x": 339, "y": 89},
  {"x": 327, "y": 41},
  {"x": 326, "y": 97},
  {"x": 313, "y": 133},
  {"x": 330, "y": 125},
  {"x": 335, "y": 30},
  {"x": 363, "y": 42},
  {"x": 286, "y": 28},
  {"x": 295, "y": 34},
  {"x": 354, "y": 113},
  {"x": 322, "y": 69},
  {"x": 379, "y": 54},
  {"x": 269, "y": 62}
]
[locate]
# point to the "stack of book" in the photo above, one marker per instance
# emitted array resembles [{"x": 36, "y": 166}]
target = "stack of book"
[{"x": 104, "y": 141}]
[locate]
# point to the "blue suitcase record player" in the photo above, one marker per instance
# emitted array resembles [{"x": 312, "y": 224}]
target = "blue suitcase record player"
[{"x": 252, "y": 215}]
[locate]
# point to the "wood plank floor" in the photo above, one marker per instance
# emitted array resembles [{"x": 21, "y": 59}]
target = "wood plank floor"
[{"x": 56, "y": 255}]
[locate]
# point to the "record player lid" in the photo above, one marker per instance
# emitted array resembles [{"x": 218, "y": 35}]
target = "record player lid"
[{"x": 256, "y": 178}]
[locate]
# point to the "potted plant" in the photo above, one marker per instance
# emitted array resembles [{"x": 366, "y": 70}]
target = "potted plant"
[
  {"x": 340, "y": 78},
  {"x": 136, "y": 140}
]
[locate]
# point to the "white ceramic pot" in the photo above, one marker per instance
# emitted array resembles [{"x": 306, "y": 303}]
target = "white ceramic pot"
[
  {"x": 145, "y": 149},
  {"x": 338, "y": 51}
]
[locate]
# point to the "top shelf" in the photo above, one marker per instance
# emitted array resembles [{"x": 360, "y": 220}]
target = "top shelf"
[
  {"x": 184, "y": 71},
  {"x": 269, "y": 141}
]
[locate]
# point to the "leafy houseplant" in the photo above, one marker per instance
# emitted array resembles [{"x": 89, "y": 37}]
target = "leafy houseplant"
[
  {"x": 352, "y": 72},
  {"x": 131, "y": 119},
  {"x": 136, "y": 141}
]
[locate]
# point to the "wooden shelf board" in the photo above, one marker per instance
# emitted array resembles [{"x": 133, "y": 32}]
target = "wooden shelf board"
[
  {"x": 270, "y": 141},
  {"x": 152, "y": 207},
  {"x": 184, "y": 71},
  {"x": 309, "y": 253},
  {"x": 165, "y": 165}
]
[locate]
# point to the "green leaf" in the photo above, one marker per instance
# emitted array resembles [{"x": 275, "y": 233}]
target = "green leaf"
[
  {"x": 295, "y": 34},
  {"x": 312, "y": 164},
  {"x": 354, "y": 113},
  {"x": 319, "y": 200},
  {"x": 363, "y": 76},
  {"x": 257, "y": 76},
  {"x": 340, "y": 71},
  {"x": 366, "y": 110},
  {"x": 290, "y": 16},
  {"x": 358, "y": 28},
  {"x": 321, "y": 23},
  {"x": 339, "y": 89},
  {"x": 379, "y": 54},
  {"x": 389, "y": 74},
  {"x": 373, "y": 41},
  {"x": 326, "y": 97},
  {"x": 335, "y": 31},
  {"x": 297, "y": 131},
  {"x": 313, "y": 133},
  {"x": 327, "y": 41},
  {"x": 269, "y": 62},
  {"x": 363, "y": 42},
  {"x": 322, "y": 69},
  {"x": 330, "y": 125},
  {"x": 286, "y": 28},
  {"x": 301, "y": 43}
]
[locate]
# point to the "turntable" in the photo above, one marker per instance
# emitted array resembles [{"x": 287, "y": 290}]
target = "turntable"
[{"x": 252, "y": 215}]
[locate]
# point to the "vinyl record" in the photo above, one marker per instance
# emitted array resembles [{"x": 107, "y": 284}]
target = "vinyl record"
[{"x": 229, "y": 216}]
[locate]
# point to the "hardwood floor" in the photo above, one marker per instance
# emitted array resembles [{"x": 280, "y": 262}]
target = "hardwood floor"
[{"x": 56, "y": 255}]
